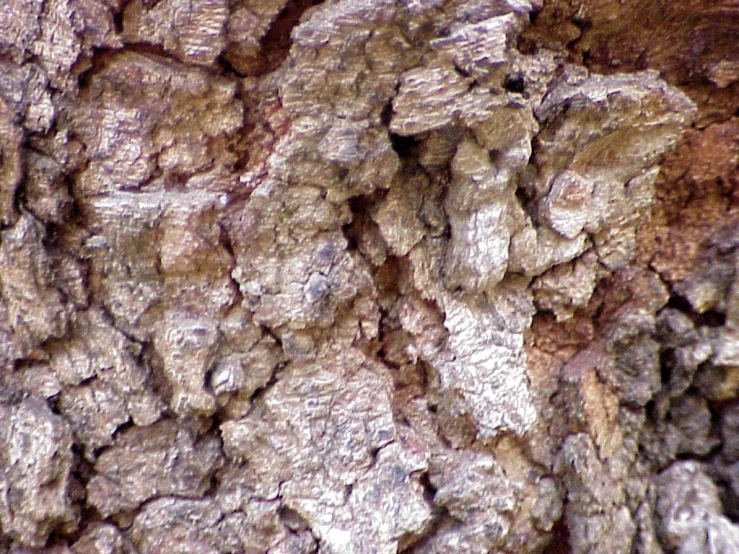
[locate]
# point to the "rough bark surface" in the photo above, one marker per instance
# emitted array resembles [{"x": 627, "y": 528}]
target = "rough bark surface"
[{"x": 369, "y": 276}]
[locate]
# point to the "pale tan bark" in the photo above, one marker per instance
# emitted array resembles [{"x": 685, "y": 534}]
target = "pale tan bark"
[{"x": 368, "y": 276}]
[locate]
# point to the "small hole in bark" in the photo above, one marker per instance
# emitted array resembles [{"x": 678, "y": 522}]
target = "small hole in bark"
[
  {"x": 524, "y": 195},
  {"x": 387, "y": 114},
  {"x": 118, "y": 21},
  {"x": 560, "y": 539},
  {"x": 582, "y": 23},
  {"x": 403, "y": 146},
  {"x": 729, "y": 500},
  {"x": 651, "y": 411},
  {"x": 495, "y": 157},
  {"x": 713, "y": 318},
  {"x": 352, "y": 230},
  {"x": 709, "y": 318},
  {"x": 667, "y": 364},
  {"x": 514, "y": 83}
]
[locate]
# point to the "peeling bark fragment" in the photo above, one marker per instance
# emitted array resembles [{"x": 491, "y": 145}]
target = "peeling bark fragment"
[
  {"x": 601, "y": 522},
  {"x": 583, "y": 185},
  {"x": 103, "y": 538},
  {"x": 568, "y": 204},
  {"x": 487, "y": 369},
  {"x": 94, "y": 412},
  {"x": 477, "y": 258},
  {"x": 112, "y": 360},
  {"x": 689, "y": 512},
  {"x": 188, "y": 345},
  {"x": 398, "y": 215},
  {"x": 194, "y": 32},
  {"x": 24, "y": 89},
  {"x": 430, "y": 98},
  {"x": 567, "y": 287},
  {"x": 57, "y": 34},
  {"x": 146, "y": 462},
  {"x": 35, "y": 468},
  {"x": 36, "y": 309},
  {"x": 172, "y": 122},
  {"x": 482, "y": 366},
  {"x": 480, "y": 48},
  {"x": 325, "y": 88},
  {"x": 182, "y": 525},
  {"x": 479, "y": 498},
  {"x": 325, "y": 442},
  {"x": 294, "y": 280},
  {"x": 11, "y": 138}
]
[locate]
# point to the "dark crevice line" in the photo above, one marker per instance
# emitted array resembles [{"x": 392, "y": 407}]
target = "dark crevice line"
[{"x": 276, "y": 43}]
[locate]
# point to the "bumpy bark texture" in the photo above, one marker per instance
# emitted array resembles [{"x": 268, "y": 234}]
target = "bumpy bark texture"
[{"x": 369, "y": 276}]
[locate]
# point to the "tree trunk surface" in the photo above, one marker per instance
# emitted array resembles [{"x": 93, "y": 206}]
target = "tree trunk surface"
[{"x": 369, "y": 276}]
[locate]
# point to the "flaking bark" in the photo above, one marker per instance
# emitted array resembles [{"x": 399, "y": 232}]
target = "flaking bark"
[{"x": 368, "y": 276}]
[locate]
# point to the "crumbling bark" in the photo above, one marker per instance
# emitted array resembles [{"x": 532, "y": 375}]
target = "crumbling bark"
[{"x": 369, "y": 276}]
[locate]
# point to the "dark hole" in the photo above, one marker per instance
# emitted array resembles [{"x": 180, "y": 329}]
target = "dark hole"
[
  {"x": 712, "y": 318},
  {"x": 651, "y": 410},
  {"x": 403, "y": 146},
  {"x": 495, "y": 156},
  {"x": 582, "y": 23},
  {"x": 560, "y": 539},
  {"x": 525, "y": 195},
  {"x": 118, "y": 22},
  {"x": 667, "y": 364},
  {"x": 514, "y": 83},
  {"x": 387, "y": 114}
]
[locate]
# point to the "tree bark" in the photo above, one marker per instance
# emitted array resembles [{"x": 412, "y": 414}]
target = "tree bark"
[{"x": 369, "y": 276}]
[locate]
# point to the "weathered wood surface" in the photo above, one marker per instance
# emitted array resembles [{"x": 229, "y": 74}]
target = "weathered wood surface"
[{"x": 369, "y": 276}]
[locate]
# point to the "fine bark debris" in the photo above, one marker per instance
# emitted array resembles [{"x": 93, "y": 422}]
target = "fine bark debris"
[{"x": 366, "y": 276}]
